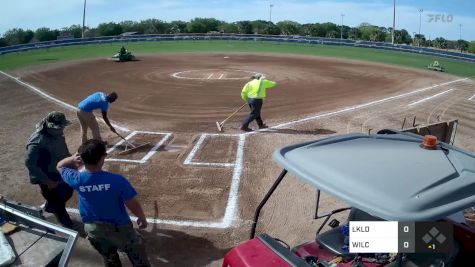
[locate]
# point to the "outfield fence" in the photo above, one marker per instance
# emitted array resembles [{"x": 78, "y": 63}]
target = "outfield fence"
[{"x": 240, "y": 37}]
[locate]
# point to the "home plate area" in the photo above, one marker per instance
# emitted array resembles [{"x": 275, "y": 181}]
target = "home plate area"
[
  {"x": 197, "y": 187},
  {"x": 139, "y": 147}
]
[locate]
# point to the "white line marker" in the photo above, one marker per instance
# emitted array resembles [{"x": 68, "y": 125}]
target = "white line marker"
[
  {"x": 471, "y": 98},
  {"x": 232, "y": 204},
  {"x": 174, "y": 148},
  {"x": 194, "y": 150},
  {"x": 148, "y": 155},
  {"x": 215, "y": 164},
  {"x": 126, "y": 161},
  {"x": 156, "y": 147},
  {"x": 51, "y": 98},
  {"x": 231, "y": 207},
  {"x": 352, "y": 108},
  {"x": 430, "y": 97},
  {"x": 221, "y": 76},
  {"x": 247, "y": 74},
  {"x": 121, "y": 142},
  {"x": 211, "y": 75},
  {"x": 147, "y": 132},
  {"x": 199, "y": 143},
  {"x": 218, "y": 134},
  {"x": 187, "y": 223},
  {"x": 162, "y": 259},
  {"x": 40, "y": 92}
]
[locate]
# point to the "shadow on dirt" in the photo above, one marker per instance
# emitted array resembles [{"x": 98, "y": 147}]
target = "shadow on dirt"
[
  {"x": 293, "y": 131},
  {"x": 175, "y": 248},
  {"x": 164, "y": 247}
]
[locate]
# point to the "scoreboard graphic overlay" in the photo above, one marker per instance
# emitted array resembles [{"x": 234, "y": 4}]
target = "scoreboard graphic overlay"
[{"x": 394, "y": 237}]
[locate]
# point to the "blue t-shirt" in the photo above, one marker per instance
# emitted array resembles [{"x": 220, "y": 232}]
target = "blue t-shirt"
[
  {"x": 101, "y": 195},
  {"x": 95, "y": 101}
]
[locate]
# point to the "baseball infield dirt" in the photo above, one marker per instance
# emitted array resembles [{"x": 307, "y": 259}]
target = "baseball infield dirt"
[{"x": 190, "y": 92}]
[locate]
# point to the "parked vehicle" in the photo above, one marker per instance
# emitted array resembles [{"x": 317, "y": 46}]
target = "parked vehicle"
[{"x": 389, "y": 176}]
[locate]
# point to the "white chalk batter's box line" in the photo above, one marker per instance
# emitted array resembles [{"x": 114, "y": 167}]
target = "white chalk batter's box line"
[
  {"x": 230, "y": 212},
  {"x": 229, "y": 219},
  {"x": 198, "y": 145},
  {"x": 147, "y": 156}
]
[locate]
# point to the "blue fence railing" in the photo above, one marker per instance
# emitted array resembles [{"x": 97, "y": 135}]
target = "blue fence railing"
[{"x": 240, "y": 37}]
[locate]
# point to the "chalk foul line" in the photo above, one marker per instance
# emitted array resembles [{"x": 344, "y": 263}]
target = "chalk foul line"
[{"x": 55, "y": 100}]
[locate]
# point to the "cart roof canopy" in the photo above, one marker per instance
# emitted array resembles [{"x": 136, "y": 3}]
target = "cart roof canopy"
[{"x": 387, "y": 175}]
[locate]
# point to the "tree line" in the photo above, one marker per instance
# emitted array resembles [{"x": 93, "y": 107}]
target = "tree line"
[{"x": 364, "y": 31}]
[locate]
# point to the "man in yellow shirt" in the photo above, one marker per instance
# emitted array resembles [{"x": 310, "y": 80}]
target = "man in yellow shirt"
[{"x": 254, "y": 93}]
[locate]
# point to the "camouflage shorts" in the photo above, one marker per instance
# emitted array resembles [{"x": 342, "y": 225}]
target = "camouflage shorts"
[{"x": 108, "y": 238}]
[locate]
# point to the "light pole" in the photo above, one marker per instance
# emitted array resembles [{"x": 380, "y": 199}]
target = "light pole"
[
  {"x": 341, "y": 33},
  {"x": 460, "y": 25},
  {"x": 83, "y": 18},
  {"x": 270, "y": 13},
  {"x": 420, "y": 24},
  {"x": 420, "y": 19},
  {"x": 394, "y": 19}
]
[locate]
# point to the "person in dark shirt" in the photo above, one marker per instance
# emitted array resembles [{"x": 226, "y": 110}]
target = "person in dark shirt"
[{"x": 45, "y": 148}]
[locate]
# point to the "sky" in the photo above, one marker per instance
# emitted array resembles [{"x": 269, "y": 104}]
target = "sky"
[{"x": 439, "y": 18}]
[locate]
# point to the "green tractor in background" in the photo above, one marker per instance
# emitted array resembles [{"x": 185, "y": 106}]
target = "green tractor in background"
[
  {"x": 436, "y": 66},
  {"x": 123, "y": 55}
]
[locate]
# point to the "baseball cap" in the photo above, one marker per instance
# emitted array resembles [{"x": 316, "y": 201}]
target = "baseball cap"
[
  {"x": 56, "y": 120},
  {"x": 256, "y": 76}
]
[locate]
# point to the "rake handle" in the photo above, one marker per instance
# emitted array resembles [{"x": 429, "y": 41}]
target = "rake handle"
[
  {"x": 241, "y": 107},
  {"x": 127, "y": 142}
]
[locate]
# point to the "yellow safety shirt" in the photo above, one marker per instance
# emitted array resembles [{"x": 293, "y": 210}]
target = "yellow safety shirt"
[{"x": 256, "y": 89}]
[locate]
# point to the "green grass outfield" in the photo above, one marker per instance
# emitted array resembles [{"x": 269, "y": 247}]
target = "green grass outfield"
[{"x": 43, "y": 56}]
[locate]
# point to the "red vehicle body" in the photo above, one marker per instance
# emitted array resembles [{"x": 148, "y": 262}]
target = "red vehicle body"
[
  {"x": 262, "y": 252},
  {"x": 327, "y": 249}
]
